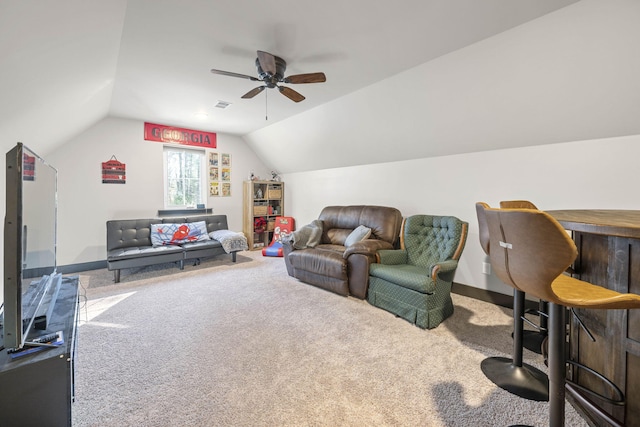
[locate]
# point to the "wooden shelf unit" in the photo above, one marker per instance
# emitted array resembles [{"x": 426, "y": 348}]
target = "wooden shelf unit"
[{"x": 262, "y": 199}]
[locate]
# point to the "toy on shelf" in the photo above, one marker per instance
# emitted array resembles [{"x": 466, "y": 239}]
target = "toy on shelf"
[{"x": 284, "y": 225}]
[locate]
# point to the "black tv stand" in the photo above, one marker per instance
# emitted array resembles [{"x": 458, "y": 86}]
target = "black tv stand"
[{"x": 37, "y": 388}]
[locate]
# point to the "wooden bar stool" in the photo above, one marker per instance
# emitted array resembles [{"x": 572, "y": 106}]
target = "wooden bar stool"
[
  {"x": 512, "y": 374},
  {"x": 531, "y": 252}
]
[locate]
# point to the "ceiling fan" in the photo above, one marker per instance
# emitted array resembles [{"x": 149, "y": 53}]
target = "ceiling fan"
[{"x": 271, "y": 70}]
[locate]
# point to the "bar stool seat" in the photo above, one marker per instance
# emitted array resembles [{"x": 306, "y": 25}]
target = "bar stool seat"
[
  {"x": 576, "y": 293},
  {"x": 531, "y": 252}
]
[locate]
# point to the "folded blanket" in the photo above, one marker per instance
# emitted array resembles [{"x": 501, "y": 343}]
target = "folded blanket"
[
  {"x": 231, "y": 241},
  {"x": 308, "y": 236}
]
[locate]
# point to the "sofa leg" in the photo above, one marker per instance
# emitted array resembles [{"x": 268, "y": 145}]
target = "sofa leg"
[
  {"x": 181, "y": 264},
  {"x": 116, "y": 276},
  {"x": 233, "y": 256},
  {"x": 196, "y": 262}
]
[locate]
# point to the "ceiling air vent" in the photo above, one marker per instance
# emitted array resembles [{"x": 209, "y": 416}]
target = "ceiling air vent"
[{"x": 222, "y": 104}]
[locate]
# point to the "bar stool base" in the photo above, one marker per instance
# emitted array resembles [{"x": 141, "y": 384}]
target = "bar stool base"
[{"x": 524, "y": 381}]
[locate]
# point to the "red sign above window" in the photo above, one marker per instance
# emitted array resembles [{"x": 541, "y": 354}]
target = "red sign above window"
[{"x": 161, "y": 133}]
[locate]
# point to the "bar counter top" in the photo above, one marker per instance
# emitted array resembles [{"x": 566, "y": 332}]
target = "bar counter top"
[{"x": 621, "y": 223}]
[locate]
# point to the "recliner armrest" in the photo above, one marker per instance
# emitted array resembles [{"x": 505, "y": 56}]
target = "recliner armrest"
[
  {"x": 367, "y": 247},
  {"x": 287, "y": 247},
  {"x": 392, "y": 256},
  {"x": 447, "y": 266}
]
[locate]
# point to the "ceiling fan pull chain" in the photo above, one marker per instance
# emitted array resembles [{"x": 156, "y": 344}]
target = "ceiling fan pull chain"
[{"x": 266, "y": 106}]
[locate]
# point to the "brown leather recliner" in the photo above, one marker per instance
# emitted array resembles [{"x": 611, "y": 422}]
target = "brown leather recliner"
[{"x": 332, "y": 266}]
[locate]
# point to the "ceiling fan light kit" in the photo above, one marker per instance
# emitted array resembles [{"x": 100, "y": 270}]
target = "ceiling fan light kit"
[{"x": 271, "y": 71}]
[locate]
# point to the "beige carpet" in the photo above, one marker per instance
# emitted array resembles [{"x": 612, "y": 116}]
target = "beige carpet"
[{"x": 244, "y": 344}]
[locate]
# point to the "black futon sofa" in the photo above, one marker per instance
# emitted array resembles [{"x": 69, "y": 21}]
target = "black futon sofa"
[{"x": 129, "y": 243}]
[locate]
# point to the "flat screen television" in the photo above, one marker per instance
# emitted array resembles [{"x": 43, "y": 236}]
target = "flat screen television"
[{"x": 30, "y": 278}]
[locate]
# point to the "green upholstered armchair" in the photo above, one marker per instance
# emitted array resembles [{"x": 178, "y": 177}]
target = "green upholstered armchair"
[{"x": 414, "y": 282}]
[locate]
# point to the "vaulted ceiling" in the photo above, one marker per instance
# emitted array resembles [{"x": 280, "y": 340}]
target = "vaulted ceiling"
[{"x": 66, "y": 65}]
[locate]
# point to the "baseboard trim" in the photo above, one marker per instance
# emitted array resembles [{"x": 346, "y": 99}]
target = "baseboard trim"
[{"x": 84, "y": 266}]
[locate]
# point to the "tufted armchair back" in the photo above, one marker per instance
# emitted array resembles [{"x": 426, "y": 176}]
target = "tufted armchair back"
[{"x": 429, "y": 239}]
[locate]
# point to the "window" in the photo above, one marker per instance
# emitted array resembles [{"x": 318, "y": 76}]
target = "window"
[{"x": 183, "y": 171}]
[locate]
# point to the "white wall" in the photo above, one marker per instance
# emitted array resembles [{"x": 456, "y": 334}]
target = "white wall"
[
  {"x": 596, "y": 174},
  {"x": 85, "y": 204}
]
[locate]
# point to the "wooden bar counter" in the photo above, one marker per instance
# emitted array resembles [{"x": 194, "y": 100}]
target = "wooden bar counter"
[{"x": 608, "y": 243}]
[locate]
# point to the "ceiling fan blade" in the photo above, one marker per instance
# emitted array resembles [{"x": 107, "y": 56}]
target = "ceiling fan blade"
[
  {"x": 267, "y": 62},
  {"x": 253, "y": 92},
  {"x": 290, "y": 93},
  {"x": 306, "y": 78},
  {"x": 230, "y": 74}
]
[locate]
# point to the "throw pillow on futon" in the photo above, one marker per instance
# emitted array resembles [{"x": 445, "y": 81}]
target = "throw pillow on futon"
[{"x": 176, "y": 234}]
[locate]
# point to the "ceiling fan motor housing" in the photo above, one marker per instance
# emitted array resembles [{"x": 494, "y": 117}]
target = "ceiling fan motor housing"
[{"x": 269, "y": 80}]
